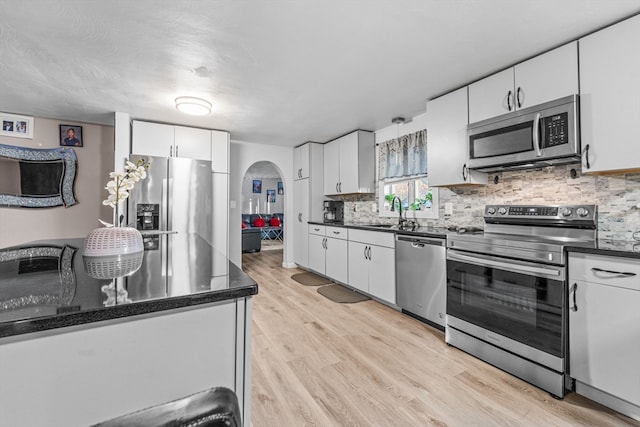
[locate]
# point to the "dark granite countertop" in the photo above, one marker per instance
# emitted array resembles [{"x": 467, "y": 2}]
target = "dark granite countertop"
[
  {"x": 48, "y": 285},
  {"x": 437, "y": 232},
  {"x": 619, "y": 248}
]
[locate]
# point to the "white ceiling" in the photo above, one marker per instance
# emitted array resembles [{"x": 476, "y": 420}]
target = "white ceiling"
[{"x": 278, "y": 72}]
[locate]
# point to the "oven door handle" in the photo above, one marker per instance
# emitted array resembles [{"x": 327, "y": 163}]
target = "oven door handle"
[{"x": 513, "y": 267}]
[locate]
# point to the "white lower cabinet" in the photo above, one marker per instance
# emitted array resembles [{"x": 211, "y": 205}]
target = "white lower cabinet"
[
  {"x": 372, "y": 263},
  {"x": 328, "y": 252},
  {"x": 604, "y": 330}
]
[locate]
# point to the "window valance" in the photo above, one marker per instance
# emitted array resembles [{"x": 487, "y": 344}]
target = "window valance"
[{"x": 403, "y": 157}]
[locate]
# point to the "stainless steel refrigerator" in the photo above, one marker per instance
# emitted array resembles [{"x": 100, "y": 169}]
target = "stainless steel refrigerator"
[{"x": 176, "y": 196}]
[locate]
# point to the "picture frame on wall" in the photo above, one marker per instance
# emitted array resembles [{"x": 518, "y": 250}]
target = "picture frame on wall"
[
  {"x": 280, "y": 188},
  {"x": 71, "y": 136},
  {"x": 257, "y": 186},
  {"x": 271, "y": 196},
  {"x": 16, "y": 126}
]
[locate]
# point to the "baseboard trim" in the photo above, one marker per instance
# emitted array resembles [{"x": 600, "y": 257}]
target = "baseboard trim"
[{"x": 289, "y": 265}]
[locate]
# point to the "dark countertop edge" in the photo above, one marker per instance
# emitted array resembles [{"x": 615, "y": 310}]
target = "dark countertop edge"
[
  {"x": 243, "y": 286},
  {"x": 622, "y": 253},
  {"x": 384, "y": 230}
]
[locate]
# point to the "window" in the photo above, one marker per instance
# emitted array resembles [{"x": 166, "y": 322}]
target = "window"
[{"x": 418, "y": 199}]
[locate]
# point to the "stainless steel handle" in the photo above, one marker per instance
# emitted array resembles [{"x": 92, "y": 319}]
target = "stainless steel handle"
[
  {"x": 171, "y": 151},
  {"x": 365, "y": 252},
  {"x": 324, "y": 242},
  {"x": 337, "y": 191},
  {"x": 513, "y": 267},
  {"x": 300, "y": 217},
  {"x": 421, "y": 240},
  {"x": 509, "y": 101},
  {"x": 464, "y": 172},
  {"x": 417, "y": 245},
  {"x": 536, "y": 135},
  {"x": 574, "y": 290},
  {"x": 614, "y": 273},
  {"x": 177, "y": 155},
  {"x": 518, "y": 102},
  {"x": 369, "y": 253},
  {"x": 340, "y": 187}
]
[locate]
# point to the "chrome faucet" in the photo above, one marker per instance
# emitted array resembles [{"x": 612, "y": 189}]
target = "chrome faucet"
[{"x": 393, "y": 209}]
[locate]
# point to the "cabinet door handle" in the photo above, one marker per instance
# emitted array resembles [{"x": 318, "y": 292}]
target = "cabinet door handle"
[
  {"x": 369, "y": 253},
  {"x": 613, "y": 273},
  {"x": 300, "y": 217},
  {"x": 340, "y": 186},
  {"x": 509, "y": 100},
  {"x": 586, "y": 155},
  {"x": 177, "y": 155},
  {"x": 336, "y": 187},
  {"x": 171, "y": 151},
  {"x": 518, "y": 102},
  {"x": 464, "y": 172},
  {"x": 574, "y": 290},
  {"x": 315, "y": 229},
  {"x": 365, "y": 252},
  {"x": 336, "y": 232},
  {"x": 326, "y": 243}
]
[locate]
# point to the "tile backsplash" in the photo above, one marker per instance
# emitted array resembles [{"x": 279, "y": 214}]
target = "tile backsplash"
[{"x": 617, "y": 197}]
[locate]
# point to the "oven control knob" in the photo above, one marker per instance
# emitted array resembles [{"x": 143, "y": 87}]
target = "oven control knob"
[
  {"x": 582, "y": 212},
  {"x": 566, "y": 212},
  {"x": 491, "y": 211},
  {"x": 502, "y": 211}
]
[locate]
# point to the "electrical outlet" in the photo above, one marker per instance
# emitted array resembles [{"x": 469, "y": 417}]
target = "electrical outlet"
[{"x": 448, "y": 208}]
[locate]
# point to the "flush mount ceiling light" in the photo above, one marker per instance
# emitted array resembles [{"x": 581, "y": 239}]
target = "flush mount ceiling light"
[{"x": 192, "y": 105}]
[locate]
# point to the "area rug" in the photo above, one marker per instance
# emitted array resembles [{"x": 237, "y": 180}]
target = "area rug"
[
  {"x": 310, "y": 279},
  {"x": 340, "y": 294}
]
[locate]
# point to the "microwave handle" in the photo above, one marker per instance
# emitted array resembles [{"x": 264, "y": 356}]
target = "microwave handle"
[{"x": 536, "y": 135}]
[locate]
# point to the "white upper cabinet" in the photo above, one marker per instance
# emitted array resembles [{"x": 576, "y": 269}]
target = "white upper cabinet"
[
  {"x": 447, "y": 147},
  {"x": 156, "y": 139},
  {"x": 220, "y": 151},
  {"x": 152, "y": 139},
  {"x": 547, "y": 77},
  {"x": 192, "y": 143},
  {"x": 331, "y": 167},
  {"x": 301, "y": 162},
  {"x": 491, "y": 96},
  {"x": 349, "y": 164},
  {"x": 610, "y": 98},
  {"x": 544, "y": 78}
]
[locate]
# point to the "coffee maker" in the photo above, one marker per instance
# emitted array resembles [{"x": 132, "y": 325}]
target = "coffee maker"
[{"x": 333, "y": 212}]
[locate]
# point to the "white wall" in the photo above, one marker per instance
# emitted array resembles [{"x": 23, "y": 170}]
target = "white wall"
[
  {"x": 417, "y": 123},
  {"x": 95, "y": 160},
  {"x": 243, "y": 155}
]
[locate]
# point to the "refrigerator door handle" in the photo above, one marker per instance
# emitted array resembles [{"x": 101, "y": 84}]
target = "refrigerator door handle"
[{"x": 165, "y": 214}]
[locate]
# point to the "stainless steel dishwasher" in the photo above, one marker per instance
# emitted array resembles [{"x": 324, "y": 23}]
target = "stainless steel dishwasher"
[{"x": 421, "y": 277}]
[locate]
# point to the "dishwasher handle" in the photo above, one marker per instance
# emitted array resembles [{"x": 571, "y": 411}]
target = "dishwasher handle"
[{"x": 420, "y": 242}]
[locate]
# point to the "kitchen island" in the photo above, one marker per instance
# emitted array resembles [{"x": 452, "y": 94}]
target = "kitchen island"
[{"x": 85, "y": 339}]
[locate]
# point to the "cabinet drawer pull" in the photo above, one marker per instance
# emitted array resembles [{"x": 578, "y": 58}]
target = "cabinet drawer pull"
[
  {"x": 316, "y": 229},
  {"x": 574, "y": 290},
  {"x": 336, "y": 232},
  {"x": 614, "y": 273},
  {"x": 586, "y": 156}
]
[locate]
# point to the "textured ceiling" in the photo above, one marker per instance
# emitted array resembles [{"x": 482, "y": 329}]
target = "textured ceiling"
[{"x": 278, "y": 72}]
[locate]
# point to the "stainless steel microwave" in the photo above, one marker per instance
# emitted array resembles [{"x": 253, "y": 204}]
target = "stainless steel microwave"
[{"x": 537, "y": 136}]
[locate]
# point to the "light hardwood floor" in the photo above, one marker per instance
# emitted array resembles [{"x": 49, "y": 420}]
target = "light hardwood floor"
[{"x": 318, "y": 363}]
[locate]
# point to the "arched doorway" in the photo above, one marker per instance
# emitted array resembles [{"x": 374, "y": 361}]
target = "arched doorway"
[{"x": 262, "y": 209}]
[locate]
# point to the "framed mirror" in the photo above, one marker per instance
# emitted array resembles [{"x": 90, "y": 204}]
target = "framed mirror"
[{"x": 37, "y": 178}]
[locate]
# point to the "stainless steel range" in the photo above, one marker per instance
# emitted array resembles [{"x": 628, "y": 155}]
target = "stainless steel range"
[{"x": 507, "y": 289}]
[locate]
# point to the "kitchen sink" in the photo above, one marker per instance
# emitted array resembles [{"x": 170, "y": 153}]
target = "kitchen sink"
[{"x": 381, "y": 225}]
